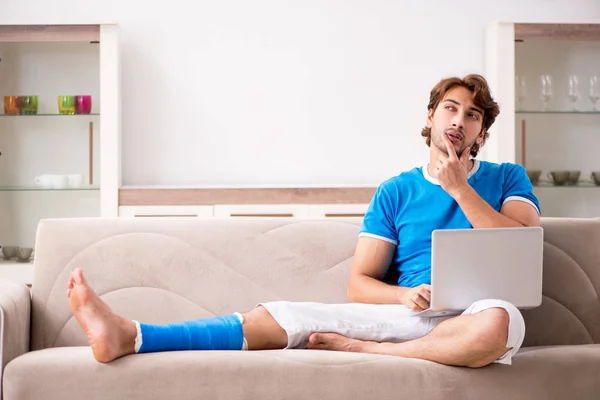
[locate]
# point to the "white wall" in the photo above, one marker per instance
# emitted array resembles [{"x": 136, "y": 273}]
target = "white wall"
[{"x": 272, "y": 92}]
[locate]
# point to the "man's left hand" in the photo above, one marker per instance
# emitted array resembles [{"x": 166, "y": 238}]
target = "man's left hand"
[{"x": 452, "y": 170}]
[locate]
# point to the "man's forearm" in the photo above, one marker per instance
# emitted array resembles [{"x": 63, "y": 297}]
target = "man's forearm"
[
  {"x": 479, "y": 213},
  {"x": 364, "y": 289}
]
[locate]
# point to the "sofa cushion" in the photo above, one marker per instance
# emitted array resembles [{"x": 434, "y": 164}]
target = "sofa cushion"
[{"x": 71, "y": 372}]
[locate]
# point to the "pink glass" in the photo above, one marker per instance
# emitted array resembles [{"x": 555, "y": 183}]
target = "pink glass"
[{"x": 83, "y": 104}]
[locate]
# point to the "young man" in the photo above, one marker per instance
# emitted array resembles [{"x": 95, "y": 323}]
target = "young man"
[{"x": 454, "y": 190}]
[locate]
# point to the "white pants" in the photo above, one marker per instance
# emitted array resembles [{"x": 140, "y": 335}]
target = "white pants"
[{"x": 378, "y": 322}]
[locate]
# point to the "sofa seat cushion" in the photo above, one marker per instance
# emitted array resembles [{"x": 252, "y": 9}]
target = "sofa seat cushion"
[{"x": 559, "y": 372}]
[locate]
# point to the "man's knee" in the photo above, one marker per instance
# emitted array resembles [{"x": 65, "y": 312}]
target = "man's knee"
[
  {"x": 262, "y": 331},
  {"x": 489, "y": 335},
  {"x": 499, "y": 325},
  {"x": 259, "y": 317},
  {"x": 257, "y": 313},
  {"x": 492, "y": 327}
]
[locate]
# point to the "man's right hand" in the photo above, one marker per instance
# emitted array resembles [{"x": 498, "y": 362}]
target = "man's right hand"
[{"x": 417, "y": 298}]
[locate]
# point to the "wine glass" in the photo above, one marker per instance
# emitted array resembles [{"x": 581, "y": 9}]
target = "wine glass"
[
  {"x": 520, "y": 90},
  {"x": 574, "y": 90},
  {"x": 594, "y": 91},
  {"x": 546, "y": 94}
]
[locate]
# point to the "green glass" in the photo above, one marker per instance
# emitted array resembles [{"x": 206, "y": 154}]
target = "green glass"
[
  {"x": 29, "y": 105},
  {"x": 66, "y": 105}
]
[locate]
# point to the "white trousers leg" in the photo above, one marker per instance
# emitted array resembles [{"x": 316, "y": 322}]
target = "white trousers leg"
[{"x": 377, "y": 322}]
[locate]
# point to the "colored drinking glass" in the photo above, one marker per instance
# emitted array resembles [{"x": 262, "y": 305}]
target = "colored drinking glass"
[
  {"x": 29, "y": 105},
  {"x": 83, "y": 104},
  {"x": 12, "y": 105},
  {"x": 66, "y": 105}
]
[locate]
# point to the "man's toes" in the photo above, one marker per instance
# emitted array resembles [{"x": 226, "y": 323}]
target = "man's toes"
[
  {"x": 329, "y": 337},
  {"x": 316, "y": 346},
  {"x": 78, "y": 277},
  {"x": 315, "y": 339},
  {"x": 324, "y": 341},
  {"x": 315, "y": 342},
  {"x": 332, "y": 341}
]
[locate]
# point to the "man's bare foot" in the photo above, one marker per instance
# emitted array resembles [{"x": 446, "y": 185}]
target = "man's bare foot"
[
  {"x": 333, "y": 341},
  {"x": 110, "y": 335}
]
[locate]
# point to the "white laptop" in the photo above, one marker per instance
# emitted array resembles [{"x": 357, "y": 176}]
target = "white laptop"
[{"x": 468, "y": 265}]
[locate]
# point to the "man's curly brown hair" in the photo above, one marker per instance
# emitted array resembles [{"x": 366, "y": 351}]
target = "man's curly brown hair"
[{"x": 482, "y": 98}]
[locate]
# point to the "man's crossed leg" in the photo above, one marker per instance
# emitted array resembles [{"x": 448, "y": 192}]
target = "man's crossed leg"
[{"x": 490, "y": 331}]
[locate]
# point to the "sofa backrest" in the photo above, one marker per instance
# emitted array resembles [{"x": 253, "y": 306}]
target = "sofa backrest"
[
  {"x": 570, "y": 310},
  {"x": 160, "y": 270}
]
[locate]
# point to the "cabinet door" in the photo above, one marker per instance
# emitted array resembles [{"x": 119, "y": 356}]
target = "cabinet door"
[
  {"x": 166, "y": 211},
  {"x": 547, "y": 87},
  {"x": 261, "y": 210},
  {"x": 337, "y": 210},
  {"x": 22, "y": 273}
]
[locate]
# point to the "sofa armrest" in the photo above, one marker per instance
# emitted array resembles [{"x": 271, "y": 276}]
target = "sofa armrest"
[{"x": 15, "y": 320}]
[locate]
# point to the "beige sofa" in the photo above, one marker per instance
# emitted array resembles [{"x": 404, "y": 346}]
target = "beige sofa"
[{"x": 163, "y": 270}]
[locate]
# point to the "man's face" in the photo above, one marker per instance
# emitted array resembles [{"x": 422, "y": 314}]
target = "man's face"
[{"x": 457, "y": 117}]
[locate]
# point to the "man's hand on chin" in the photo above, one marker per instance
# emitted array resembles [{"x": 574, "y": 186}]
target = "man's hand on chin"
[{"x": 452, "y": 170}]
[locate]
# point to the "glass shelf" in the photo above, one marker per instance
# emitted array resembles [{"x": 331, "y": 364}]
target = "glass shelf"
[
  {"x": 14, "y": 262},
  {"x": 589, "y": 112},
  {"x": 47, "y": 115},
  {"x": 41, "y": 189},
  {"x": 579, "y": 185}
]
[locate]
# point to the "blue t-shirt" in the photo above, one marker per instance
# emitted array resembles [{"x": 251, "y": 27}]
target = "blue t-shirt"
[{"x": 406, "y": 209}]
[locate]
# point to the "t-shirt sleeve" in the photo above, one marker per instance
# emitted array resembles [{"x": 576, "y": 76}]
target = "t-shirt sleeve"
[
  {"x": 518, "y": 187},
  {"x": 379, "y": 220}
]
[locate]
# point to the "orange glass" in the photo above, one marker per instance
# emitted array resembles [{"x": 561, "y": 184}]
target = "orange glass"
[{"x": 12, "y": 105}]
